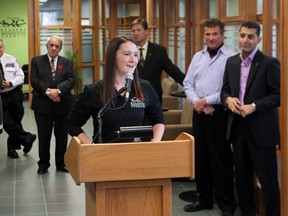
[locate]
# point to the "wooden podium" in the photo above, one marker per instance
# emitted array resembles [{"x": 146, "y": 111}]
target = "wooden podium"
[{"x": 129, "y": 179}]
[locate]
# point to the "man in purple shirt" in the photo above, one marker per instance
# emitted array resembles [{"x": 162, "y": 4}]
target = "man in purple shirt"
[
  {"x": 251, "y": 91},
  {"x": 213, "y": 155}
]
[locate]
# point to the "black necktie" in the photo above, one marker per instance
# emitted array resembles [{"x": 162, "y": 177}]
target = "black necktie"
[
  {"x": 141, "y": 60},
  {"x": 2, "y": 70}
]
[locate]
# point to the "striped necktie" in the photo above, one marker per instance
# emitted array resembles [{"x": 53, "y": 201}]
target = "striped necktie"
[{"x": 53, "y": 69}]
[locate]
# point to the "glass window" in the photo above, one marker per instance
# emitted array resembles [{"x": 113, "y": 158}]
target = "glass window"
[
  {"x": 156, "y": 20},
  {"x": 213, "y": 8},
  {"x": 275, "y": 30},
  {"x": 231, "y": 37},
  {"x": 154, "y": 35},
  {"x": 107, "y": 10},
  {"x": 125, "y": 10},
  {"x": 171, "y": 43},
  {"x": 124, "y": 31},
  {"x": 65, "y": 34},
  {"x": 181, "y": 11},
  {"x": 181, "y": 48},
  {"x": 51, "y": 12},
  {"x": 232, "y": 8},
  {"x": 101, "y": 72},
  {"x": 260, "y": 45},
  {"x": 87, "y": 75},
  {"x": 86, "y": 12},
  {"x": 107, "y": 38},
  {"x": 87, "y": 49},
  {"x": 259, "y": 6},
  {"x": 101, "y": 45},
  {"x": 100, "y": 10}
]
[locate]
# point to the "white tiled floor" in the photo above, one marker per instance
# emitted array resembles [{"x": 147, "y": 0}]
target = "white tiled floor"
[{"x": 24, "y": 192}]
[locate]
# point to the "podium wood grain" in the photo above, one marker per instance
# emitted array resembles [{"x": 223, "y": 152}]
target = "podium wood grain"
[
  {"x": 130, "y": 178},
  {"x": 141, "y": 198}
]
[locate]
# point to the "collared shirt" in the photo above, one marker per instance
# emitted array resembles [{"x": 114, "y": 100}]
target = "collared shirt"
[
  {"x": 244, "y": 73},
  {"x": 204, "y": 78},
  {"x": 12, "y": 71},
  {"x": 144, "y": 51}
]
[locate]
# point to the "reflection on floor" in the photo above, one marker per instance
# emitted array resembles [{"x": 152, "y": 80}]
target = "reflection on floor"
[{"x": 24, "y": 192}]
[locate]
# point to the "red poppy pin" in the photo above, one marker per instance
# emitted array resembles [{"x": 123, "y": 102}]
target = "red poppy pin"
[{"x": 60, "y": 67}]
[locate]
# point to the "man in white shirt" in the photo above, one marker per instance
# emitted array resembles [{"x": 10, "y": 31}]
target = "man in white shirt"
[
  {"x": 12, "y": 99},
  {"x": 213, "y": 155}
]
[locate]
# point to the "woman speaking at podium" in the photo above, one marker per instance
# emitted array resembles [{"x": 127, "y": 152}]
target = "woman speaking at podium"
[{"x": 127, "y": 98}]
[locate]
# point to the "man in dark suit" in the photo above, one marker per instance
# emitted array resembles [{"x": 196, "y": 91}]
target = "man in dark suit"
[
  {"x": 251, "y": 91},
  {"x": 153, "y": 58},
  {"x": 52, "y": 78}
]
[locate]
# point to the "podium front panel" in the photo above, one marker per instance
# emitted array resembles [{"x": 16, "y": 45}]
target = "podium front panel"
[{"x": 129, "y": 198}]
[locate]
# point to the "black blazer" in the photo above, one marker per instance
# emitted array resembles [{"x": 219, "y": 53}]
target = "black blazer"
[
  {"x": 156, "y": 61},
  {"x": 263, "y": 88},
  {"x": 41, "y": 79}
]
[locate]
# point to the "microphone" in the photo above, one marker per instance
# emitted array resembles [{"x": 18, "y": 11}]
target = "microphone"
[{"x": 129, "y": 78}]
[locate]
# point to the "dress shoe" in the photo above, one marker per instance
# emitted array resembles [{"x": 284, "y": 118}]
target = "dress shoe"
[
  {"x": 12, "y": 153},
  {"x": 29, "y": 144},
  {"x": 227, "y": 213},
  {"x": 42, "y": 170},
  {"x": 62, "y": 169},
  {"x": 196, "y": 206}
]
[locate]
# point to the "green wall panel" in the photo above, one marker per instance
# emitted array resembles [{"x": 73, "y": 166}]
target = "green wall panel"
[{"x": 14, "y": 28}]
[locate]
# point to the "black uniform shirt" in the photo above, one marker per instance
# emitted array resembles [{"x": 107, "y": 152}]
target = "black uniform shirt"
[{"x": 132, "y": 114}]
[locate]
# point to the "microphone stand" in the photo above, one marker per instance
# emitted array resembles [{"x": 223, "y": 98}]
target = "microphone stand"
[{"x": 101, "y": 112}]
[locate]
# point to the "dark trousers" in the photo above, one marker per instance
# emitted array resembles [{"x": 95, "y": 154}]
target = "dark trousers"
[
  {"x": 250, "y": 159},
  {"x": 13, "y": 112},
  {"x": 213, "y": 160},
  {"x": 45, "y": 124}
]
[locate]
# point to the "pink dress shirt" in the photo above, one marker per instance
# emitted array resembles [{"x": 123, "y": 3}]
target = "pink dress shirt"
[{"x": 244, "y": 73}]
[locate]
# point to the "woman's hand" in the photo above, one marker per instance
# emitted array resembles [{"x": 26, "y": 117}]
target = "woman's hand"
[
  {"x": 84, "y": 139},
  {"x": 158, "y": 131}
]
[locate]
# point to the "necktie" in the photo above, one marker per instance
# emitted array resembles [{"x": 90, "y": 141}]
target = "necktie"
[
  {"x": 53, "y": 69},
  {"x": 1, "y": 70},
  {"x": 141, "y": 60}
]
